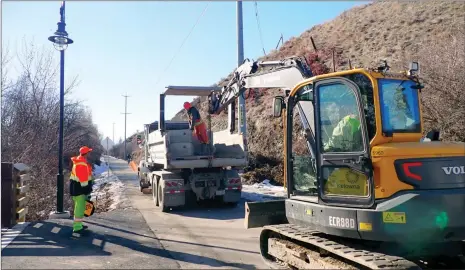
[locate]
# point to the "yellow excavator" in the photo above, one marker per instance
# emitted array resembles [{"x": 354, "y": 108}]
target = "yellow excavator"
[{"x": 364, "y": 186}]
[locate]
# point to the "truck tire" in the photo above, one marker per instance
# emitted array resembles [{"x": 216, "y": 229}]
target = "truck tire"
[
  {"x": 161, "y": 199},
  {"x": 155, "y": 192},
  {"x": 231, "y": 204},
  {"x": 140, "y": 182}
]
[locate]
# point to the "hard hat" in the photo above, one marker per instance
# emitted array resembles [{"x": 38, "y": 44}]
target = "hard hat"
[
  {"x": 187, "y": 105},
  {"x": 84, "y": 150}
]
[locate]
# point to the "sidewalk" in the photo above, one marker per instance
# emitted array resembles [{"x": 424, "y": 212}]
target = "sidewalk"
[{"x": 119, "y": 239}]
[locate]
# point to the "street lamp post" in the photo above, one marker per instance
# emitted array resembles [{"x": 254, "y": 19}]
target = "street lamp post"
[{"x": 61, "y": 41}]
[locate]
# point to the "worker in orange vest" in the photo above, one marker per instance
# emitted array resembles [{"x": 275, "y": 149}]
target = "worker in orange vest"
[
  {"x": 79, "y": 187},
  {"x": 196, "y": 123}
]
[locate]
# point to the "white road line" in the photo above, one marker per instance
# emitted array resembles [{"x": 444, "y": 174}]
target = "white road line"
[{"x": 9, "y": 235}]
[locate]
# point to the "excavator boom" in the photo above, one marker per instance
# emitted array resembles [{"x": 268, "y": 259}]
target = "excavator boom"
[{"x": 260, "y": 74}]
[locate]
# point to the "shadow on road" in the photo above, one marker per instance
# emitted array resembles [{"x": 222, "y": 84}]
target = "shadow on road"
[
  {"x": 212, "y": 210},
  {"x": 174, "y": 241},
  {"x": 54, "y": 239}
]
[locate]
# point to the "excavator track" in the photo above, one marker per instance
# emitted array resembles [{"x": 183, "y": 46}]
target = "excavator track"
[{"x": 355, "y": 254}]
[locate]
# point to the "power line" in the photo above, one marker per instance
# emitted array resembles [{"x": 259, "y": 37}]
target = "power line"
[
  {"x": 182, "y": 44},
  {"x": 259, "y": 28}
]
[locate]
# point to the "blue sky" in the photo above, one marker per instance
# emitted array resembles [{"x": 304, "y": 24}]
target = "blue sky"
[{"x": 124, "y": 46}]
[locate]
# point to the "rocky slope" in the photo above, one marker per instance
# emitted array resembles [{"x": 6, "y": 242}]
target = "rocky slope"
[{"x": 396, "y": 31}]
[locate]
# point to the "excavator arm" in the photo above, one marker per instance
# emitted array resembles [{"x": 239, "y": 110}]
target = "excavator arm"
[{"x": 259, "y": 74}]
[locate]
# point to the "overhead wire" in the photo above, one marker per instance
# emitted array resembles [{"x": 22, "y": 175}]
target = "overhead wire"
[
  {"x": 257, "y": 17},
  {"x": 182, "y": 44},
  {"x": 259, "y": 28}
]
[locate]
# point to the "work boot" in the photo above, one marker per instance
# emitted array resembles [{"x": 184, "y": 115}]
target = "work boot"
[{"x": 81, "y": 232}]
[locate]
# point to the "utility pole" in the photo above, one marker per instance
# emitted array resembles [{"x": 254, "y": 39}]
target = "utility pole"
[
  {"x": 125, "y": 118},
  {"x": 242, "y": 125},
  {"x": 107, "y": 145},
  {"x": 114, "y": 143}
]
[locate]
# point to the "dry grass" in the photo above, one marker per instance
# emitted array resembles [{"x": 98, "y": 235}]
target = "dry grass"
[
  {"x": 105, "y": 199},
  {"x": 395, "y": 31}
]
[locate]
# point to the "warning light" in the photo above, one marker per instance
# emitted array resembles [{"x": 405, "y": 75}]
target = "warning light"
[{"x": 408, "y": 173}]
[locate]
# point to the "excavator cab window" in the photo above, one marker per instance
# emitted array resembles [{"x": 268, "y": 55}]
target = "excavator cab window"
[
  {"x": 339, "y": 119},
  {"x": 400, "y": 112},
  {"x": 366, "y": 92},
  {"x": 303, "y": 165}
]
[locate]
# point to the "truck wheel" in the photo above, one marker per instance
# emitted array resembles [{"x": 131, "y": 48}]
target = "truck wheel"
[
  {"x": 161, "y": 198},
  {"x": 154, "y": 192},
  {"x": 140, "y": 182},
  {"x": 231, "y": 204}
]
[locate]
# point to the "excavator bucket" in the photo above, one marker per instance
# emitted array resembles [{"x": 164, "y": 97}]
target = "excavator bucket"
[{"x": 259, "y": 214}]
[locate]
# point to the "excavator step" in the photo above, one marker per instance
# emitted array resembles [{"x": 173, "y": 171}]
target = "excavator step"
[{"x": 353, "y": 253}]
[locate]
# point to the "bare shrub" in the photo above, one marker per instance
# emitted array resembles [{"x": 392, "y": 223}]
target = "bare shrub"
[
  {"x": 30, "y": 120},
  {"x": 442, "y": 98}
]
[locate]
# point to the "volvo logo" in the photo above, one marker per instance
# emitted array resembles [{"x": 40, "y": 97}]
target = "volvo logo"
[{"x": 454, "y": 170}]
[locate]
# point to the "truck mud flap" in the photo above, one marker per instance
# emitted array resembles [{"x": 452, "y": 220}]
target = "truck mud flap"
[{"x": 259, "y": 214}]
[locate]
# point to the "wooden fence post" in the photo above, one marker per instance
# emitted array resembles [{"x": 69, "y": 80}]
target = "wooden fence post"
[
  {"x": 14, "y": 193},
  {"x": 21, "y": 176},
  {"x": 8, "y": 196}
]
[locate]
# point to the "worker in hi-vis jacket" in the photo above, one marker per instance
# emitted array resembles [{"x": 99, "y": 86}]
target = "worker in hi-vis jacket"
[
  {"x": 79, "y": 186},
  {"x": 197, "y": 124}
]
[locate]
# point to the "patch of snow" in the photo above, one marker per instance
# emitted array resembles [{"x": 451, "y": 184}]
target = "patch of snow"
[
  {"x": 98, "y": 170},
  {"x": 106, "y": 185},
  {"x": 263, "y": 191}
]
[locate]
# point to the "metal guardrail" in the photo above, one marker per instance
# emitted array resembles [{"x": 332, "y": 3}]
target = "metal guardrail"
[{"x": 14, "y": 193}]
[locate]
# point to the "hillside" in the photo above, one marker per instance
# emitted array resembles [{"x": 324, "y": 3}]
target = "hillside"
[{"x": 431, "y": 32}]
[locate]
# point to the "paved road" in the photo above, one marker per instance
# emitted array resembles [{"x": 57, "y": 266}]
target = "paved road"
[
  {"x": 120, "y": 239},
  {"x": 139, "y": 236},
  {"x": 197, "y": 238}
]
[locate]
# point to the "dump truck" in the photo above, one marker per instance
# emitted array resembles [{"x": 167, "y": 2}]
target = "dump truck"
[
  {"x": 175, "y": 168},
  {"x": 363, "y": 185}
]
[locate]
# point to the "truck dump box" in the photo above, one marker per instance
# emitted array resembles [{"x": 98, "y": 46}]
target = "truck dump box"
[{"x": 178, "y": 148}]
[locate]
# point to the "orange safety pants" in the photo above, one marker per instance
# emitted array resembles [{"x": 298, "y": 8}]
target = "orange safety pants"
[{"x": 200, "y": 129}]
